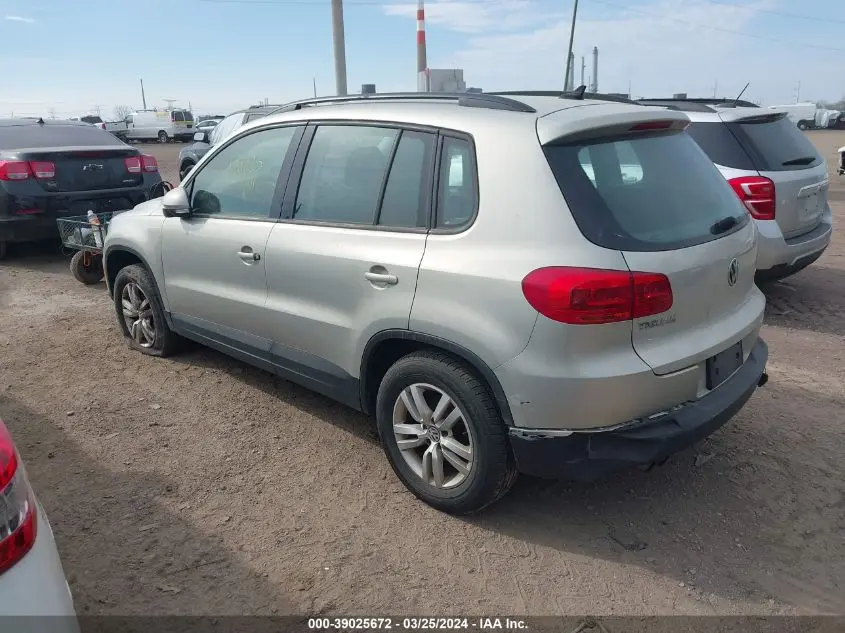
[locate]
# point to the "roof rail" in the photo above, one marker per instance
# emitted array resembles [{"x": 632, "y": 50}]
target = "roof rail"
[
  {"x": 577, "y": 94},
  {"x": 466, "y": 99}
]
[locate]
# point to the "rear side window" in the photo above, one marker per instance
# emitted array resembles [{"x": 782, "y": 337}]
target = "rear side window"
[
  {"x": 776, "y": 144},
  {"x": 54, "y": 135},
  {"x": 457, "y": 195},
  {"x": 178, "y": 116},
  {"x": 405, "y": 202},
  {"x": 719, "y": 143},
  {"x": 644, "y": 193}
]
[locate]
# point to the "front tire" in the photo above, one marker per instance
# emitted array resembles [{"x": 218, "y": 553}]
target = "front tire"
[
  {"x": 162, "y": 137},
  {"x": 442, "y": 433},
  {"x": 140, "y": 313},
  {"x": 92, "y": 273}
]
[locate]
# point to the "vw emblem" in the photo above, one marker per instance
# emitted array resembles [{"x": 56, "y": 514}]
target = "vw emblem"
[{"x": 733, "y": 272}]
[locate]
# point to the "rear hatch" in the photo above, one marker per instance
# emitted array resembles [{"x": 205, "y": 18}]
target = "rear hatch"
[
  {"x": 782, "y": 153},
  {"x": 643, "y": 187}
]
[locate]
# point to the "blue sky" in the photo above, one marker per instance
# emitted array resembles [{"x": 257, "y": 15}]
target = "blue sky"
[{"x": 67, "y": 57}]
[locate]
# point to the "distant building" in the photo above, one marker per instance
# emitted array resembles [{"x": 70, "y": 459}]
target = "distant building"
[{"x": 446, "y": 80}]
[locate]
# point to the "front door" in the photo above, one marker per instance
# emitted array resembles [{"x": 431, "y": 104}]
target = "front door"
[
  {"x": 342, "y": 264},
  {"x": 214, "y": 260}
]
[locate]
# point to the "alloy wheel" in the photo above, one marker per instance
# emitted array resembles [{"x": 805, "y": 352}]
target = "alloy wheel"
[
  {"x": 138, "y": 315},
  {"x": 433, "y": 436}
]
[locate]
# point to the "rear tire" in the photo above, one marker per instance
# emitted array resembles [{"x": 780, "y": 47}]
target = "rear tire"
[
  {"x": 478, "y": 437},
  {"x": 88, "y": 275},
  {"x": 802, "y": 126},
  {"x": 162, "y": 137},
  {"x": 140, "y": 314}
]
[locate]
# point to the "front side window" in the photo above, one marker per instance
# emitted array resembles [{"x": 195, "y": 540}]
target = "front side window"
[
  {"x": 343, "y": 174},
  {"x": 457, "y": 195},
  {"x": 240, "y": 181}
]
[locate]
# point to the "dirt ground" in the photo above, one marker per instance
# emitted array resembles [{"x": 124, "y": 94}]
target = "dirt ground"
[{"x": 198, "y": 485}]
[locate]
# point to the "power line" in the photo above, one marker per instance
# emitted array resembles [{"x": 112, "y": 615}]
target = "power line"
[
  {"x": 722, "y": 30},
  {"x": 783, "y": 14}
]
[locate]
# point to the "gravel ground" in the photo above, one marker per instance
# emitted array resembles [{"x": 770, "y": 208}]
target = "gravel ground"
[{"x": 199, "y": 485}]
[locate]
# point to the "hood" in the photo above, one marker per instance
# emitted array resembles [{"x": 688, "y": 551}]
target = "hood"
[
  {"x": 150, "y": 207},
  {"x": 193, "y": 148}
]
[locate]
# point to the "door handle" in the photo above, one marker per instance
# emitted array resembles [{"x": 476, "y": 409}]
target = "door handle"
[
  {"x": 248, "y": 256},
  {"x": 381, "y": 278}
]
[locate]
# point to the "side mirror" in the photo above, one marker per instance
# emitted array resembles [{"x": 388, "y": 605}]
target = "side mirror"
[
  {"x": 201, "y": 137},
  {"x": 175, "y": 203}
]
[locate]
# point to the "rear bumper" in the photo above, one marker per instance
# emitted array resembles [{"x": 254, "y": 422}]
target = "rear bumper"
[
  {"x": 28, "y": 228},
  {"x": 587, "y": 456},
  {"x": 779, "y": 257}
]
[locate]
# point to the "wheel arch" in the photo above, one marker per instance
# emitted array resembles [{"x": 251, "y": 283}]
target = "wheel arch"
[
  {"x": 387, "y": 346},
  {"x": 119, "y": 257}
]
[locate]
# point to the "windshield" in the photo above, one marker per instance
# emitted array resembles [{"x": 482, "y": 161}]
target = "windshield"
[{"x": 645, "y": 193}]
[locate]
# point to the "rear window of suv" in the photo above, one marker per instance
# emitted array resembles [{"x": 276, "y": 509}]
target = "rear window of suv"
[
  {"x": 645, "y": 193},
  {"x": 775, "y": 143}
]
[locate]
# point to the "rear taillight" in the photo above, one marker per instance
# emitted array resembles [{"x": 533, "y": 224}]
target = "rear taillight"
[
  {"x": 133, "y": 164},
  {"x": 14, "y": 170},
  {"x": 17, "y": 505},
  {"x": 590, "y": 296},
  {"x": 42, "y": 168},
  {"x": 757, "y": 194},
  {"x": 149, "y": 162}
]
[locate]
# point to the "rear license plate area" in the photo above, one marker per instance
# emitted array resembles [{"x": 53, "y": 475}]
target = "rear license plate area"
[{"x": 720, "y": 367}]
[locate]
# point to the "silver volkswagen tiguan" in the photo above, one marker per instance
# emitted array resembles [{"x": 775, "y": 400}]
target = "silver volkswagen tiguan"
[{"x": 549, "y": 285}]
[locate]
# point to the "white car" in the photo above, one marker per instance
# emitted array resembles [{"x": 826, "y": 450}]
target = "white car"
[
  {"x": 32, "y": 581},
  {"x": 841, "y": 151}
]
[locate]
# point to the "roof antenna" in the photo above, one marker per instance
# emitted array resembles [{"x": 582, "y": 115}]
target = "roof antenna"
[
  {"x": 736, "y": 101},
  {"x": 578, "y": 93},
  {"x": 40, "y": 120}
]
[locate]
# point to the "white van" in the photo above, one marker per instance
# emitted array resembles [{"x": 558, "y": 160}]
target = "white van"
[{"x": 163, "y": 125}]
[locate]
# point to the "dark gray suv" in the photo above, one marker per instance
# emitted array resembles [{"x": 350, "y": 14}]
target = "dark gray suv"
[{"x": 204, "y": 141}]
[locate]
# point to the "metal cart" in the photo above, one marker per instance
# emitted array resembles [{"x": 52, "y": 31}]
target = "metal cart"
[{"x": 86, "y": 234}]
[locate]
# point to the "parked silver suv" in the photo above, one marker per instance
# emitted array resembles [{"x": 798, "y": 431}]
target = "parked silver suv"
[
  {"x": 548, "y": 285},
  {"x": 777, "y": 173}
]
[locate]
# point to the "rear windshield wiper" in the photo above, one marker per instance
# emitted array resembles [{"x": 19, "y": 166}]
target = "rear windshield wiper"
[
  {"x": 804, "y": 160},
  {"x": 724, "y": 225}
]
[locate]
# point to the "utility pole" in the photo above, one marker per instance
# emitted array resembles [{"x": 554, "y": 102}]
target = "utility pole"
[
  {"x": 314, "y": 80},
  {"x": 569, "y": 52},
  {"x": 583, "y": 68},
  {"x": 798, "y": 93},
  {"x": 339, "y": 47},
  {"x": 143, "y": 96},
  {"x": 715, "y": 88}
]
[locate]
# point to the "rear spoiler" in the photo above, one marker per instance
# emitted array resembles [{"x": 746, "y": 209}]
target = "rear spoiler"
[
  {"x": 606, "y": 120},
  {"x": 749, "y": 115}
]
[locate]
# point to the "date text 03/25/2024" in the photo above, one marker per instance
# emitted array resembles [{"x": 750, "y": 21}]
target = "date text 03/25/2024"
[{"x": 416, "y": 624}]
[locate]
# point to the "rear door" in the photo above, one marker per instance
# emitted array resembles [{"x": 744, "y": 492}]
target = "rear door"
[
  {"x": 658, "y": 198},
  {"x": 214, "y": 260},
  {"x": 782, "y": 153},
  {"x": 342, "y": 263}
]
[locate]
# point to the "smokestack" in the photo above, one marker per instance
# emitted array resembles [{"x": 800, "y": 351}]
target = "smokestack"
[
  {"x": 583, "y": 67},
  {"x": 595, "y": 87},
  {"x": 422, "y": 63}
]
